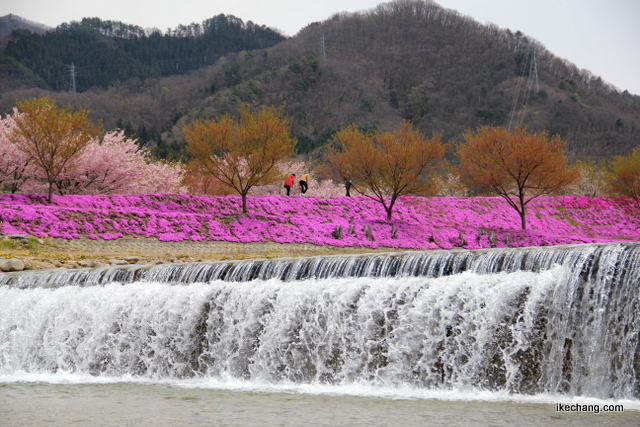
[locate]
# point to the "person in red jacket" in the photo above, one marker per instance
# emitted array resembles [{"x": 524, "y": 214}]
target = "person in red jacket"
[{"x": 289, "y": 181}]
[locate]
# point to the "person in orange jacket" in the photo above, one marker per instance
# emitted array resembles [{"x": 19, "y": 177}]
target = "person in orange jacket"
[{"x": 289, "y": 181}]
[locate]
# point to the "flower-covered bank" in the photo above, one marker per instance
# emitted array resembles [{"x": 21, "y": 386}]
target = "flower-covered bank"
[{"x": 418, "y": 223}]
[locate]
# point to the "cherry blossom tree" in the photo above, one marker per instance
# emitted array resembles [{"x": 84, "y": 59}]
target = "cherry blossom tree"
[
  {"x": 116, "y": 164},
  {"x": 44, "y": 148},
  {"x": 111, "y": 165},
  {"x": 593, "y": 178},
  {"x": 162, "y": 177},
  {"x": 107, "y": 165},
  {"x": 16, "y": 167}
]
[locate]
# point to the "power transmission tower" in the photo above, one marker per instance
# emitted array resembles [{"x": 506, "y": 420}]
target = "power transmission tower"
[
  {"x": 72, "y": 78},
  {"x": 521, "y": 98}
]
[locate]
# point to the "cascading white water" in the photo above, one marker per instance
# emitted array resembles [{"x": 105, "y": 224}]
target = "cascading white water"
[{"x": 543, "y": 320}]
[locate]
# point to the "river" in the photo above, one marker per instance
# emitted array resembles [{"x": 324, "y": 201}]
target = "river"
[{"x": 537, "y": 336}]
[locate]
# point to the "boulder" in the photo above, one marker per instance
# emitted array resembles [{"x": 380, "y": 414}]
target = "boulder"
[
  {"x": 11, "y": 264},
  {"x": 87, "y": 263},
  {"x": 20, "y": 237},
  {"x": 118, "y": 262}
]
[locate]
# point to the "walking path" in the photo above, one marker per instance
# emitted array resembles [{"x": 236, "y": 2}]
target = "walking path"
[
  {"x": 74, "y": 253},
  {"x": 87, "y": 253},
  {"x": 132, "y": 245}
]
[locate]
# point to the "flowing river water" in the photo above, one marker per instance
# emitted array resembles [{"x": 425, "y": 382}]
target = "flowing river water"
[{"x": 533, "y": 336}]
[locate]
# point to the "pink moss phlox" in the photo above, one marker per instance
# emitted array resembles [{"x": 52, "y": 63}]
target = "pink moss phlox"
[
  {"x": 110, "y": 236},
  {"x": 419, "y": 223}
]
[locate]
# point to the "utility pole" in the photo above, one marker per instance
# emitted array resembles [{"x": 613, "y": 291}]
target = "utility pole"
[{"x": 72, "y": 78}]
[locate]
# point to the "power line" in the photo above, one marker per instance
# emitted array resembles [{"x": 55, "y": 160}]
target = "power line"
[{"x": 521, "y": 98}]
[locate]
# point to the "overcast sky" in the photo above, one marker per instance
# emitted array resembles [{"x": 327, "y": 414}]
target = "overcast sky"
[{"x": 602, "y": 36}]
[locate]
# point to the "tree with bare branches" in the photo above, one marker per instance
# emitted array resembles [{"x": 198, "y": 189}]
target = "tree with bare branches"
[
  {"x": 385, "y": 166},
  {"x": 51, "y": 136},
  {"x": 624, "y": 178},
  {"x": 518, "y": 166},
  {"x": 242, "y": 153}
]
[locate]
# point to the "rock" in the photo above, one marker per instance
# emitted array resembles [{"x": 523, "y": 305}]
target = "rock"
[
  {"x": 12, "y": 264},
  {"x": 132, "y": 259},
  {"x": 18, "y": 236},
  {"x": 118, "y": 262},
  {"x": 87, "y": 263},
  {"x": 37, "y": 265}
]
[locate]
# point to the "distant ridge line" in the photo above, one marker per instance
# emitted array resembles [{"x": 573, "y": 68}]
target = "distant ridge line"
[{"x": 13, "y": 17}]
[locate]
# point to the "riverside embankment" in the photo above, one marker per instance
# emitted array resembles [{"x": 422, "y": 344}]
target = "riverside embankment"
[{"x": 98, "y": 230}]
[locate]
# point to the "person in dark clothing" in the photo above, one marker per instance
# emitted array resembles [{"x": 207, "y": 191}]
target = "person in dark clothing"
[
  {"x": 304, "y": 183},
  {"x": 347, "y": 186},
  {"x": 289, "y": 181}
]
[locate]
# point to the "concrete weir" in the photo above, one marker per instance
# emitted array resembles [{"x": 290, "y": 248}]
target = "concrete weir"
[{"x": 552, "y": 320}]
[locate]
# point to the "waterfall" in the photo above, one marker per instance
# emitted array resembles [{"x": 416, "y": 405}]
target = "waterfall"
[
  {"x": 425, "y": 263},
  {"x": 559, "y": 320}
]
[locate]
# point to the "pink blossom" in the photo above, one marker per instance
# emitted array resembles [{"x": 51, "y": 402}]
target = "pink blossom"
[
  {"x": 17, "y": 170},
  {"x": 113, "y": 164}
]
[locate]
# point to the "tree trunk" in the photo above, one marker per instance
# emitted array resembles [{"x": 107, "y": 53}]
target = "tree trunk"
[
  {"x": 523, "y": 218},
  {"x": 244, "y": 203},
  {"x": 389, "y": 208},
  {"x": 50, "y": 196}
]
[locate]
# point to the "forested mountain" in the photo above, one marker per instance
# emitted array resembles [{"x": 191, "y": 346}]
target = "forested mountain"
[
  {"x": 103, "y": 52},
  {"x": 408, "y": 59},
  {"x": 14, "y": 75},
  {"x": 8, "y": 23}
]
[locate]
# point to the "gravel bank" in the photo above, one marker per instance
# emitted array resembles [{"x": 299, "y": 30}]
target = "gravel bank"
[{"x": 54, "y": 253}]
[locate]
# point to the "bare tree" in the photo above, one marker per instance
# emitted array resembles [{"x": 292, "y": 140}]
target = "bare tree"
[
  {"x": 51, "y": 136},
  {"x": 242, "y": 153},
  {"x": 518, "y": 166},
  {"x": 385, "y": 166},
  {"x": 625, "y": 176}
]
